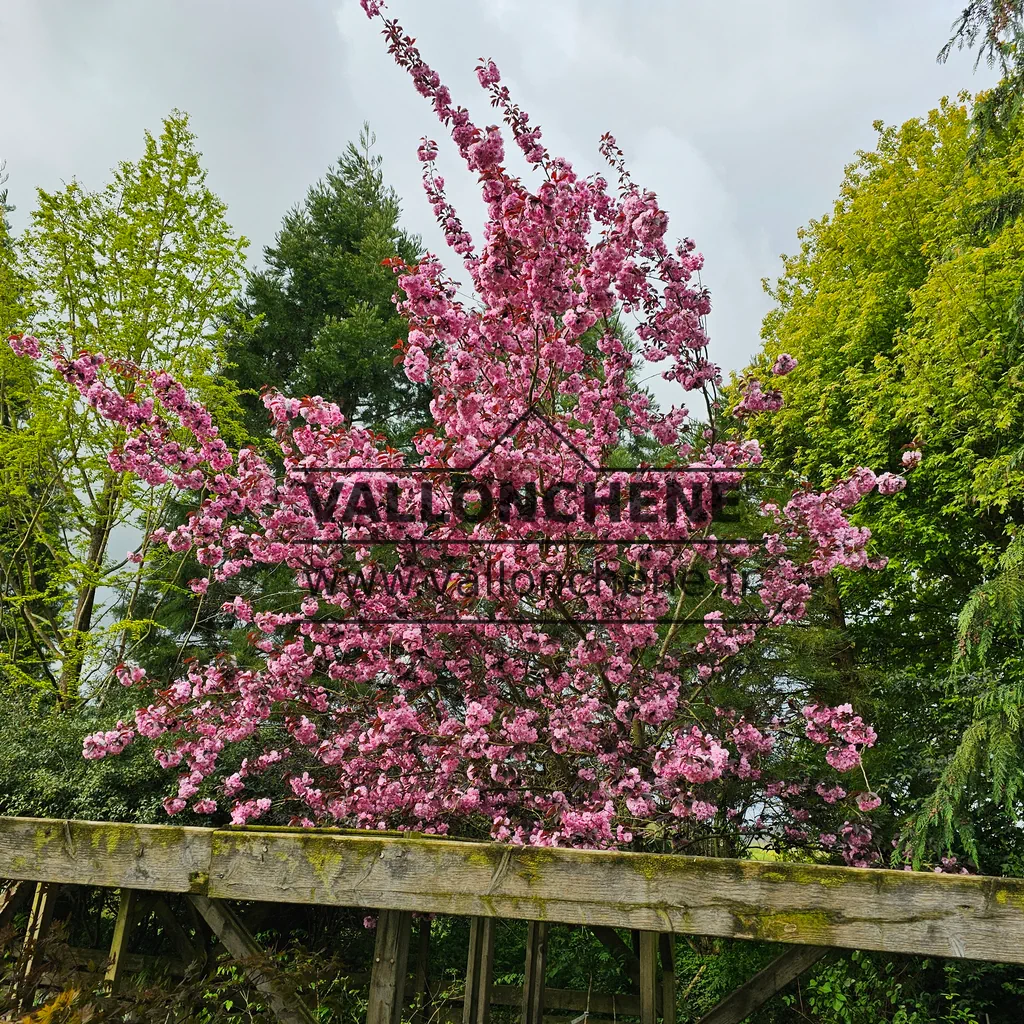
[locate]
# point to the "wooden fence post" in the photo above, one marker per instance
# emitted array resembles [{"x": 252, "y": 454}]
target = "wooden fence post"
[
  {"x": 648, "y": 944},
  {"x": 390, "y": 961},
  {"x": 127, "y": 912},
  {"x": 668, "y": 978},
  {"x": 479, "y": 971},
  {"x": 14, "y": 897},
  {"x": 39, "y": 918},
  {"x": 228, "y": 927},
  {"x": 742, "y": 1002},
  {"x": 536, "y": 967}
]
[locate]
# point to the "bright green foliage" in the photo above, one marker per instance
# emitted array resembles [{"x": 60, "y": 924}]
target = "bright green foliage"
[
  {"x": 867, "y": 988},
  {"x": 328, "y": 324},
  {"x": 145, "y": 269},
  {"x": 325, "y": 325},
  {"x": 20, "y": 654},
  {"x": 318, "y": 320},
  {"x": 903, "y": 307},
  {"x": 902, "y": 316}
]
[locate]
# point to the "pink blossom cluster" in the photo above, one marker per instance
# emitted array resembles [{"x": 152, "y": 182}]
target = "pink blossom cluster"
[
  {"x": 100, "y": 744},
  {"x": 406, "y": 755},
  {"x": 25, "y": 345},
  {"x": 755, "y": 399},
  {"x": 856, "y": 845},
  {"x": 845, "y": 734}
]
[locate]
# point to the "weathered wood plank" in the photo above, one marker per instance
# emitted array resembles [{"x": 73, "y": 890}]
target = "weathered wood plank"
[
  {"x": 536, "y": 968},
  {"x": 127, "y": 912},
  {"x": 390, "y": 962},
  {"x": 29, "y": 967},
  {"x": 648, "y": 977},
  {"x": 909, "y": 912},
  {"x": 742, "y": 1002},
  {"x": 896, "y": 911},
  {"x": 158, "y": 857},
  {"x": 479, "y": 971},
  {"x": 228, "y": 927}
]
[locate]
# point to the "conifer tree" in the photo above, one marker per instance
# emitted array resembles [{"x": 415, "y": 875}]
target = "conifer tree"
[{"x": 327, "y": 324}]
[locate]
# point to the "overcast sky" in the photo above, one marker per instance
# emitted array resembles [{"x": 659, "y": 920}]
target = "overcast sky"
[{"x": 740, "y": 115}]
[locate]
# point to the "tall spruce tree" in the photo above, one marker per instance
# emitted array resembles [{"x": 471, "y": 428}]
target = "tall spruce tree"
[{"x": 327, "y": 323}]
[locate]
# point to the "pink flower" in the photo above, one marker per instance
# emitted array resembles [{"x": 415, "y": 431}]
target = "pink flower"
[
  {"x": 416, "y": 364},
  {"x": 702, "y": 810},
  {"x": 99, "y": 744},
  {"x": 245, "y": 812},
  {"x": 488, "y": 74},
  {"x": 911, "y": 459},
  {"x": 890, "y": 483},
  {"x": 843, "y": 758},
  {"x": 233, "y": 784},
  {"x": 488, "y": 152},
  {"x": 868, "y": 801},
  {"x": 784, "y": 364},
  {"x": 398, "y": 713},
  {"x": 754, "y": 400},
  {"x": 25, "y": 345},
  {"x": 830, "y": 795}
]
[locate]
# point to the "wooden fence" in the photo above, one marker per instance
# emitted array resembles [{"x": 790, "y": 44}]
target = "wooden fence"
[{"x": 814, "y": 908}]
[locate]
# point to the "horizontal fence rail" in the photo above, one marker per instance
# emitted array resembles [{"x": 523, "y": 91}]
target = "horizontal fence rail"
[{"x": 972, "y": 917}]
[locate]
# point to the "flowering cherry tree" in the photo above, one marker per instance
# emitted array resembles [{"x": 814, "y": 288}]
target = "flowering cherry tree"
[{"x": 571, "y": 704}]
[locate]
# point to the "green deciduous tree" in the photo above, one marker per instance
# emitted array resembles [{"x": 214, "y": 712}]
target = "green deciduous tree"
[
  {"x": 902, "y": 307},
  {"x": 317, "y": 319},
  {"x": 23, "y": 480},
  {"x": 146, "y": 269}
]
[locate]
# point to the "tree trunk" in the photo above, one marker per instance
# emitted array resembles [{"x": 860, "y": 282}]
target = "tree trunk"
[
  {"x": 845, "y": 656},
  {"x": 78, "y": 635}
]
